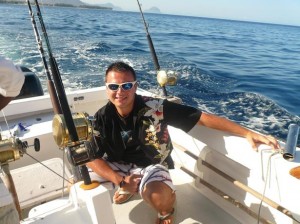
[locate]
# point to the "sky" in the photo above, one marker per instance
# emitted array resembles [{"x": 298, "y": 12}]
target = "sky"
[{"x": 269, "y": 11}]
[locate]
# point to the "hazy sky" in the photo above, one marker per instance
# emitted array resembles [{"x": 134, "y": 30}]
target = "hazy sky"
[{"x": 270, "y": 11}]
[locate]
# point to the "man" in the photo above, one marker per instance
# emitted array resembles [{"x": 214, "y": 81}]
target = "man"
[
  {"x": 11, "y": 82},
  {"x": 134, "y": 145}
]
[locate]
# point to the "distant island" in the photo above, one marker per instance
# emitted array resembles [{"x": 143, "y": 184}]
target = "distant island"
[
  {"x": 79, "y": 4},
  {"x": 153, "y": 10},
  {"x": 61, "y": 3}
]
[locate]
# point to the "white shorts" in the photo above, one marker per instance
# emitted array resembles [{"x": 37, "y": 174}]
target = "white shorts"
[{"x": 150, "y": 173}]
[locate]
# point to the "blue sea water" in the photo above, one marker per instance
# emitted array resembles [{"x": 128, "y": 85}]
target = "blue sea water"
[{"x": 247, "y": 72}]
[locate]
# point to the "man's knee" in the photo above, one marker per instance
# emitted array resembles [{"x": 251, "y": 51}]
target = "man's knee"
[{"x": 157, "y": 190}]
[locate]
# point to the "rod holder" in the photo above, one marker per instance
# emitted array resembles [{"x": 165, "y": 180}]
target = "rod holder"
[{"x": 291, "y": 142}]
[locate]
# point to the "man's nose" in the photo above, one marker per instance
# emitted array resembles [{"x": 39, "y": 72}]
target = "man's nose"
[{"x": 120, "y": 89}]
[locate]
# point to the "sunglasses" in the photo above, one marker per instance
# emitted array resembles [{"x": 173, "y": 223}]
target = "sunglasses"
[{"x": 125, "y": 86}]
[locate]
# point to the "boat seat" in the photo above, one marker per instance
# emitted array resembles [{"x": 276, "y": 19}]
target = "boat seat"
[
  {"x": 232, "y": 175},
  {"x": 32, "y": 86}
]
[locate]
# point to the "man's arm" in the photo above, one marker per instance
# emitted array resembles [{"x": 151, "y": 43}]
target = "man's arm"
[
  {"x": 100, "y": 167},
  {"x": 222, "y": 124}
]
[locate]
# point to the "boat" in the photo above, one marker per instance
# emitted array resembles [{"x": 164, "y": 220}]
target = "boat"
[{"x": 219, "y": 178}]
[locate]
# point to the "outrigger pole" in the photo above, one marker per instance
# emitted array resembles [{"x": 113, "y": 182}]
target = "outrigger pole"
[
  {"x": 151, "y": 46},
  {"x": 61, "y": 95}
]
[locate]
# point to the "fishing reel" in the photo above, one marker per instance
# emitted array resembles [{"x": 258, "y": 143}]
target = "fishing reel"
[
  {"x": 80, "y": 152},
  {"x": 13, "y": 148},
  {"x": 166, "y": 77}
]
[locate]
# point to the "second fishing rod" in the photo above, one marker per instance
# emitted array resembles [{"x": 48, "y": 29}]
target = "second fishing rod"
[{"x": 152, "y": 49}]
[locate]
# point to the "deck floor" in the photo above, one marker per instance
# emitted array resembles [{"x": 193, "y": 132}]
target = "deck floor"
[{"x": 191, "y": 207}]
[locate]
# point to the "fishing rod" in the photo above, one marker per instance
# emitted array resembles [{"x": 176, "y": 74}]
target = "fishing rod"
[
  {"x": 50, "y": 84},
  {"x": 77, "y": 153},
  {"x": 152, "y": 49}
]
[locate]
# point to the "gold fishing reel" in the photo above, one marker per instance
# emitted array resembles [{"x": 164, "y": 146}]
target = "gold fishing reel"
[
  {"x": 10, "y": 150},
  {"x": 168, "y": 77},
  {"x": 13, "y": 148},
  {"x": 60, "y": 131},
  {"x": 81, "y": 152}
]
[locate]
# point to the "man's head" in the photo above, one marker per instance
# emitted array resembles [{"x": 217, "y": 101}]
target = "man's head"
[
  {"x": 120, "y": 66},
  {"x": 121, "y": 86}
]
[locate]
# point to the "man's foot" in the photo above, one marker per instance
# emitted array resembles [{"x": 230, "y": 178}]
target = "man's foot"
[
  {"x": 166, "y": 219},
  {"x": 121, "y": 196}
]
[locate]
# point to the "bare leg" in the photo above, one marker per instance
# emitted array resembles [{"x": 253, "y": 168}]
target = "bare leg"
[{"x": 161, "y": 197}]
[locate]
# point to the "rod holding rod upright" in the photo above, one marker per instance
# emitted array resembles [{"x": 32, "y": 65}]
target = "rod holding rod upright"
[{"x": 291, "y": 142}]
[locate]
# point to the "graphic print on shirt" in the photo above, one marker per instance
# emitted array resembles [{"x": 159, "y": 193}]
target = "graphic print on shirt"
[
  {"x": 126, "y": 136},
  {"x": 156, "y": 132}
]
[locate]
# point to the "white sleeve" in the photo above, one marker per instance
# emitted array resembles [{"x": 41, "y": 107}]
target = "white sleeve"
[{"x": 11, "y": 78}]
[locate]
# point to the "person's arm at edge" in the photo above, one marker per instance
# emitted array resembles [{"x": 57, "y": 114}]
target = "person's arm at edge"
[
  {"x": 4, "y": 101},
  {"x": 223, "y": 124}
]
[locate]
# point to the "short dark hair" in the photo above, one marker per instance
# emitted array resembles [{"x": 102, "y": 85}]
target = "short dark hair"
[{"x": 120, "y": 66}]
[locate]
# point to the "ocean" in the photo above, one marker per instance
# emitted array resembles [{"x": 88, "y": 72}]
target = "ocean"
[{"x": 247, "y": 72}]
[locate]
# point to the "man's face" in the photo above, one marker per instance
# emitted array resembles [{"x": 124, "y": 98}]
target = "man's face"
[{"x": 122, "y": 99}]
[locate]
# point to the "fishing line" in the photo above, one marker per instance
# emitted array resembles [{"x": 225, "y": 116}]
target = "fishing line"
[
  {"x": 50, "y": 168},
  {"x": 54, "y": 173},
  {"x": 6, "y": 123},
  {"x": 265, "y": 187}
]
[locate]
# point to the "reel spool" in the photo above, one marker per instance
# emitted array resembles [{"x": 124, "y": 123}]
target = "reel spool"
[
  {"x": 166, "y": 78},
  {"x": 13, "y": 148},
  {"x": 81, "y": 152},
  {"x": 61, "y": 133}
]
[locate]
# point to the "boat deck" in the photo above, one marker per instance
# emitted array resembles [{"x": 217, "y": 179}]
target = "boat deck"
[{"x": 191, "y": 206}]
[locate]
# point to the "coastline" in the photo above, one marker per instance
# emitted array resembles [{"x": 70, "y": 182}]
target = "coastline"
[{"x": 58, "y": 5}]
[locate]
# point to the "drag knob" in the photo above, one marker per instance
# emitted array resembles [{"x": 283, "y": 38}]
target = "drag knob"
[{"x": 37, "y": 145}]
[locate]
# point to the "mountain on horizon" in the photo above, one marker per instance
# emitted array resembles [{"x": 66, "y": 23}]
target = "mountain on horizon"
[
  {"x": 78, "y": 3},
  {"x": 75, "y": 3},
  {"x": 153, "y": 10},
  {"x": 109, "y": 5}
]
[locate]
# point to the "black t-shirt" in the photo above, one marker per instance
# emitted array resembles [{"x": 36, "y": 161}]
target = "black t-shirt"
[{"x": 121, "y": 139}]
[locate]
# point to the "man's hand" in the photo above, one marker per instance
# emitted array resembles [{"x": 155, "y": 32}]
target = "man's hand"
[
  {"x": 256, "y": 139},
  {"x": 132, "y": 183}
]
